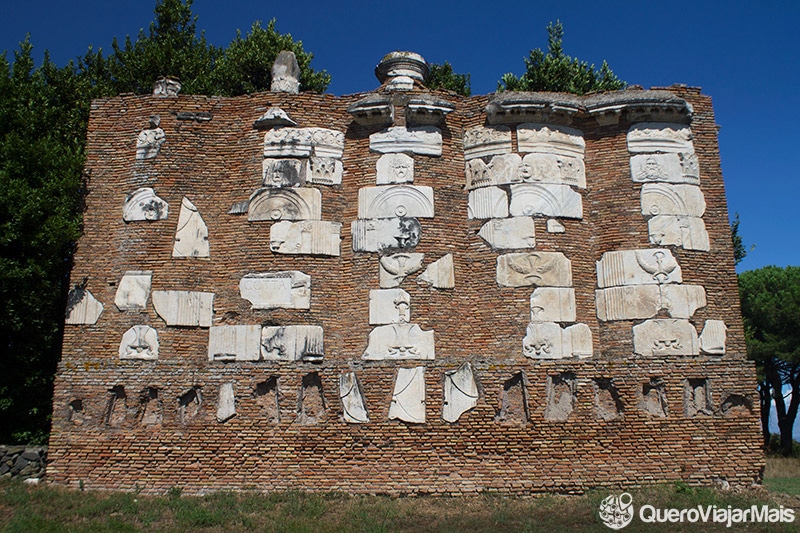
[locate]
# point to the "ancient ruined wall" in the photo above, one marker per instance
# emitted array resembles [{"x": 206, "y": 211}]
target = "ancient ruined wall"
[{"x": 270, "y": 297}]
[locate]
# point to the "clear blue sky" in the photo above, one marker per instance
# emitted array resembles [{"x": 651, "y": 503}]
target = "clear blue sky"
[{"x": 744, "y": 54}]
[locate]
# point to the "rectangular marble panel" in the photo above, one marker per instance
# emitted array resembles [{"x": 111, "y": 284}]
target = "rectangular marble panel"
[
  {"x": 553, "y": 304},
  {"x": 672, "y": 199},
  {"x": 550, "y": 139},
  {"x": 287, "y": 142},
  {"x": 482, "y": 141},
  {"x": 184, "y": 308},
  {"x": 529, "y": 199},
  {"x": 541, "y": 269},
  {"x": 662, "y": 137},
  {"x": 234, "y": 343},
  {"x": 665, "y": 337},
  {"x": 638, "y": 267},
  {"x": 509, "y": 233},
  {"x": 668, "y": 168},
  {"x": 283, "y": 172},
  {"x": 422, "y": 140},
  {"x": 487, "y": 202},
  {"x": 390, "y": 201},
  {"x": 687, "y": 232},
  {"x": 394, "y": 168},
  {"x": 552, "y": 168},
  {"x": 400, "y": 341},
  {"x": 133, "y": 290},
  {"x": 297, "y": 203},
  {"x": 308, "y": 237},
  {"x": 389, "y": 306},
  {"x": 645, "y": 301},
  {"x": 292, "y": 343},
  {"x": 287, "y": 289},
  {"x": 385, "y": 234},
  {"x": 547, "y": 340}
]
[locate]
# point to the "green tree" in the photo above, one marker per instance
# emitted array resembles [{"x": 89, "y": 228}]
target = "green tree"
[
  {"x": 441, "y": 76},
  {"x": 771, "y": 311},
  {"x": 557, "y": 72},
  {"x": 740, "y": 251}
]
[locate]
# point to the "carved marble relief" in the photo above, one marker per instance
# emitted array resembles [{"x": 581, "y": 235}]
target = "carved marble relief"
[
  {"x": 667, "y": 168},
  {"x": 408, "y": 398},
  {"x": 509, "y": 233},
  {"x": 303, "y": 142},
  {"x": 354, "y": 410},
  {"x": 283, "y": 172},
  {"x": 395, "y": 168},
  {"x": 482, "y": 141},
  {"x": 550, "y": 139},
  {"x": 487, "y": 202},
  {"x": 440, "y": 274},
  {"x": 139, "y": 342},
  {"x": 663, "y": 137},
  {"x": 191, "y": 236},
  {"x": 143, "y": 204},
  {"x": 285, "y": 72},
  {"x": 287, "y": 289},
  {"x": 422, "y": 140},
  {"x": 234, "y": 343},
  {"x": 184, "y": 308},
  {"x": 638, "y": 267},
  {"x": 308, "y": 237},
  {"x": 712, "y": 338},
  {"x": 133, "y": 290},
  {"x": 552, "y": 168},
  {"x": 665, "y": 337},
  {"x": 394, "y": 268},
  {"x": 226, "y": 402},
  {"x": 646, "y": 301},
  {"x": 477, "y": 174},
  {"x": 327, "y": 143},
  {"x": 390, "y": 201},
  {"x": 292, "y": 343},
  {"x": 149, "y": 142},
  {"x": 324, "y": 171},
  {"x": 553, "y": 304},
  {"x": 82, "y": 307},
  {"x": 671, "y": 199},
  {"x": 385, "y": 234},
  {"x": 400, "y": 341},
  {"x": 528, "y": 199},
  {"x": 460, "y": 392},
  {"x": 684, "y": 231},
  {"x": 562, "y": 390},
  {"x": 547, "y": 340},
  {"x": 541, "y": 269},
  {"x": 302, "y": 203},
  {"x": 389, "y": 306},
  {"x": 274, "y": 117}
]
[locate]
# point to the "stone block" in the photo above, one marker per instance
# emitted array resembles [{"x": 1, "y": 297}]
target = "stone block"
[
  {"x": 324, "y": 171},
  {"x": 303, "y": 203},
  {"x": 663, "y": 137},
  {"x": 712, "y": 339},
  {"x": 82, "y": 307},
  {"x": 234, "y": 343},
  {"x": 482, "y": 141},
  {"x": 184, "y": 308},
  {"x": 143, "y": 204},
  {"x": 149, "y": 141},
  {"x": 226, "y": 402},
  {"x": 638, "y": 267},
  {"x": 274, "y": 117},
  {"x": 400, "y": 341},
  {"x": 191, "y": 236},
  {"x": 550, "y": 139},
  {"x": 551, "y": 168},
  {"x": 292, "y": 343},
  {"x": 460, "y": 392},
  {"x": 505, "y": 168},
  {"x": 139, "y": 342},
  {"x": 529, "y": 199},
  {"x": 389, "y": 306},
  {"x": 408, "y": 397},
  {"x": 354, "y": 410},
  {"x": 509, "y": 233},
  {"x": 286, "y": 289},
  {"x": 547, "y": 340},
  {"x": 553, "y": 304},
  {"x": 394, "y": 268},
  {"x": 308, "y": 237},
  {"x": 133, "y": 290},
  {"x": 477, "y": 174},
  {"x": 288, "y": 142},
  {"x": 554, "y": 226},
  {"x": 327, "y": 143},
  {"x": 395, "y": 168},
  {"x": 283, "y": 172},
  {"x": 668, "y": 168},
  {"x": 664, "y": 337},
  {"x": 684, "y": 231},
  {"x": 646, "y": 301},
  {"x": 487, "y": 202},
  {"x": 285, "y": 73},
  {"x": 672, "y": 199},
  {"x": 541, "y": 269},
  {"x": 440, "y": 274},
  {"x": 422, "y": 140},
  {"x": 391, "y": 201},
  {"x": 385, "y": 234}
]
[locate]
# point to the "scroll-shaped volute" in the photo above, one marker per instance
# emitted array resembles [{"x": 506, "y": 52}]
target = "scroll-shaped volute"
[
  {"x": 548, "y": 199},
  {"x": 660, "y": 137},
  {"x": 139, "y": 342},
  {"x": 390, "y": 201},
  {"x": 550, "y": 139},
  {"x": 460, "y": 392},
  {"x": 670, "y": 199},
  {"x": 408, "y": 398},
  {"x": 191, "y": 237},
  {"x": 354, "y": 410},
  {"x": 303, "y": 203},
  {"x": 143, "y": 204},
  {"x": 82, "y": 307}
]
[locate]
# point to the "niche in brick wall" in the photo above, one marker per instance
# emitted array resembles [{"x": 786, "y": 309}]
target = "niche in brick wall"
[
  {"x": 76, "y": 412},
  {"x": 697, "y": 397},
  {"x": 267, "y": 399},
  {"x": 607, "y": 402},
  {"x": 116, "y": 406},
  {"x": 654, "y": 398},
  {"x": 736, "y": 405},
  {"x": 189, "y": 404},
  {"x": 561, "y": 396},
  {"x": 514, "y": 401},
  {"x": 150, "y": 411},
  {"x": 311, "y": 401}
]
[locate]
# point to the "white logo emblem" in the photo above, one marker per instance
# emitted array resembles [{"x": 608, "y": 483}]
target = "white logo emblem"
[{"x": 617, "y": 511}]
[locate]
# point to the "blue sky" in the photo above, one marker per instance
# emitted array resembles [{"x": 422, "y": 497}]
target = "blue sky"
[{"x": 743, "y": 54}]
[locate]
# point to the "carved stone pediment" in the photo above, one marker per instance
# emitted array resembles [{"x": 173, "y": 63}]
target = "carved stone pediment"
[{"x": 373, "y": 110}]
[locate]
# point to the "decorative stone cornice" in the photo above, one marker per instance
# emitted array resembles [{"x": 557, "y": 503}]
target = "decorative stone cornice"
[
  {"x": 426, "y": 109},
  {"x": 373, "y": 110}
]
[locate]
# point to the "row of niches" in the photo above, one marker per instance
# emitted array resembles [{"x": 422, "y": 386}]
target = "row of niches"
[{"x": 304, "y": 401}]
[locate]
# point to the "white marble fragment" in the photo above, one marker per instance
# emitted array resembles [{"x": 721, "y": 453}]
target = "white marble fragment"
[
  {"x": 671, "y": 199},
  {"x": 663, "y": 137},
  {"x": 547, "y": 340},
  {"x": 550, "y": 139},
  {"x": 509, "y": 233},
  {"x": 274, "y": 117},
  {"x": 554, "y": 226},
  {"x": 712, "y": 339},
  {"x": 302, "y": 203},
  {"x": 548, "y": 199},
  {"x": 354, "y": 410},
  {"x": 308, "y": 237},
  {"x": 505, "y": 169},
  {"x": 553, "y": 304},
  {"x": 283, "y": 172},
  {"x": 133, "y": 290},
  {"x": 139, "y": 342},
  {"x": 143, "y": 204},
  {"x": 287, "y": 142},
  {"x": 645, "y": 301},
  {"x": 234, "y": 343},
  {"x": 385, "y": 234},
  {"x": 286, "y": 289},
  {"x": 149, "y": 141},
  {"x": 487, "y": 202},
  {"x": 477, "y": 174},
  {"x": 226, "y": 402},
  {"x": 551, "y": 168},
  {"x": 324, "y": 171},
  {"x": 390, "y": 201},
  {"x": 191, "y": 237},
  {"x": 422, "y": 140},
  {"x": 184, "y": 308},
  {"x": 389, "y": 306},
  {"x": 460, "y": 392},
  {"x": 440, "y": 274},
  {"x": 668, "y": 168},
  {"x": 665, "y": 336},
  {"x": 687, "y": 232},
  {"x": 292, "y": 343},
  {"x": 482, "y": 141},
  {"x": 327, "y": 143},
  {"x": 408, "y": 398},
  {"x": 541, "y": 269},
  {"x": 285, "y": 73},
  {"x": 638, "y": 267},
  {"x": 82, "y": 307},
  {"x": 400, "y": 341},
  {"x": 394, "y": 268},
  {"x": 395, "y": 168}
]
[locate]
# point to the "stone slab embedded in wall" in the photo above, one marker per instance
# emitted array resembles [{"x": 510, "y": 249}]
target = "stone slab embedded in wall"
[
  {"x": 303, "y": 203},
  {"x": 554, "y": 226},
  {"x": 487, "y": 202},
  {"x": 385, "y": 234},
  {"x": 139, "y": 342},
  {"x": 234, "y": 343},
  {"x": 553, "y": 304},
  {"x": 283, "y": 172},
  {"x": 394, "y": 168},
  {"x": 191, "y": 237},
  {"x": 400, "y": 341},
  {"x": 663, "y": 137},
  {"x": 638, "y": 267},
  {"x": 354, "y": 409},
  {"x": 133, "y": 290},
  {"x": 440, "y": 274},
  {"x": 324, "y": 171},
  {"x": 482, "y": 141},
  {"x": 303, "y": 142},
  {"x": 547, "y": 340},
  {"x": 550, "y": 139},
  {"x": 408, "y": 397},
  {"x": 541, "y": 269},
  {"x": 672, "y": 199},
  {"x": 389, "y": 306},
  {"x": 663, "y": 337},
  {"x": 551, "y": 168},
  {"x": 668, "y": 168},
  {"x": 149, "y": 141},
  {"x": 712, "y": 338},
  {"x": 286, "y": 289},
  {"x": 390, "y": 201},
  {"x": 274, "y": 117},
  {"x": 226, "y": 402},
  {"x": 422, "y": 140},
  {"x": 292, "y": 343},
  {"x": 395, "y": 267},
  {"x": 646, "y": 301},
  {"x": 528, "y": 199},
  {"x": 509, "y": 233},
  {"x": 308, "y": 237},
  {"x": 82, "y": 307},
  {"x": 184, "y": 308},
  {"x": 460, "y": 392},
  {"x": 684, "y": 231},
  {"x": 144, "y": 204}
]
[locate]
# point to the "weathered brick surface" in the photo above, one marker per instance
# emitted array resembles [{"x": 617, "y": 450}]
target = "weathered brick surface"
[{"x": 218, "y": 163}]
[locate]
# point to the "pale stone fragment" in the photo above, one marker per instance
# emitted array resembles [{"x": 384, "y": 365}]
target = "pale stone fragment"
[
  {"x": 562, "y": 392},
  {"x": 477, "y": 174},
  {"x": 394, "y": 268},
  {"x": 487, "y": 202},
  {"x": 354, "y": 409},
  {"x": 308, "y": 237},
  {"x": 408, "y": 398},
  {"x": 395, "y": 168},
  {"x": 504, "y": 169},
  {"x": 324, "y": 171},
  {"x": 385, "y": 234},
  {"x": 274, "y": 117},
  {"x": 287, "y": 289},
  {"x": 663, "y": 137},
  {"x": 226, "y": 402},
  {"x": 400, "y": 83},
  {"x": 460, "y": 392},
  {"x": 638, "y": 267},
  {"x": 143, "y": 204},
  {"x": 327, "y": 143},
  {"x": 579, "y": 338},
  {"x": 288, "y": 142},
  {"x": 550, "y": 139},
  {"x": 645, "y": 301},
  {"x": 551, "y": 168},
  {"x": 292, "y": 343},
  {"x": 302, "y": 203},
  {"x": 688, "y": 232},
  {"x": 139, "y": 342},
  {"x": 669, "y": 199},
  {"x": 509, "y": 233},
  {"x": 165, "y": 86},
  {"x": 133, "y": 290},
  {"x": 149, "y": 142},
  {"x": 425, "y": 109},
  {"x": 554, "y": 226},
  {"x": 390, "y": 201},
  {"x": 389, "y": 306},
  {"x": 668, "y": 168},
  {"x": 184, "y": 308},
  {"x": 191, "y": 237},
  {"x": 422, "y": 140},
  {"x": 400, "y": 341},
  {"x": 664, "y": 336},
  {"x": 402, "y": 63},
  {"x": 285, "y": 73},
  {"x": 440, "y": 274},
  {"x": 482, "y": 141},
  {"x": 548, "y": 199},
  {"x": 283, "y": 172},
  {"x": 542, "y": 269},
  {"x": 553, "y": 304},
  {"x": 547, "y": 340},
  {"x": 82, "y": 307},
  {"x": 712, "y": 339},
  {"x": 234, "y": 343}
]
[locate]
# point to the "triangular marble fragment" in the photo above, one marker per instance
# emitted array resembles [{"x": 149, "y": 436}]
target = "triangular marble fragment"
[
  {"x": 354, "y": 409},
  {"x": 440, "y": 274},
  {"x": 460, "y": 392},
  {"x": 144, "y": 204},
  {"x": 408, "y": 398},
  {"x": 82, "y": 307},
  {"x": 191, "y": 237}
]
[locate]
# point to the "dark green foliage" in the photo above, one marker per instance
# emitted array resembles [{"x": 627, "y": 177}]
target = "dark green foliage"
[
  {"x": 557, "y": 72},
  {"x": 443, "y": 77},
  {"x": 739, "y": 249}
]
